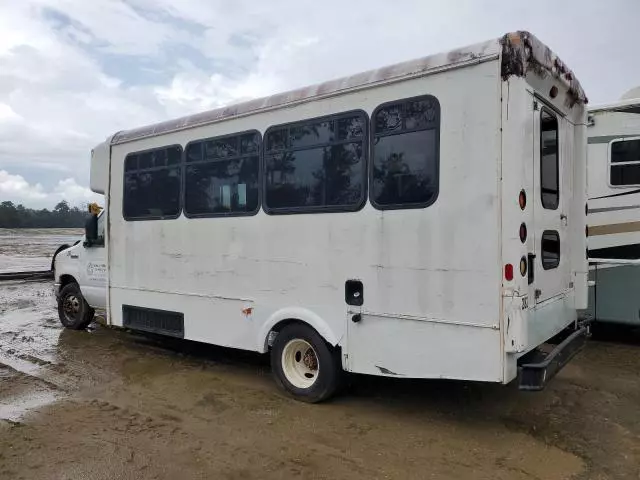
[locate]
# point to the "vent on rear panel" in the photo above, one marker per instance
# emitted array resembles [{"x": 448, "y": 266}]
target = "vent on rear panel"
[{"x": 155, "y": 321}]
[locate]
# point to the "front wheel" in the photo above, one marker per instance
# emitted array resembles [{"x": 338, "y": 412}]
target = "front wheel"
[
  {"x": 304, "y": 365},
  {"x": 73, "y": 310}
]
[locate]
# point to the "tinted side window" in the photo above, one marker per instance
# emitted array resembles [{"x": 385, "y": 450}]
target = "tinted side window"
[
  {"x": 406, "y": 152},
  {"x": 550, "y": 249},
  {"x": 549, "y": 158},
  {"x": 152, "y": 182},
  {"x": 316, "y": 165},
  {"x": 625, "y": 162},
  {"x": 101, "y": 219},
  {"x": 221, "y": 176}
]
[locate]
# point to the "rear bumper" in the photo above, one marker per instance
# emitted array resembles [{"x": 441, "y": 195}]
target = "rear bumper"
[{"x": 537, "y": 369}]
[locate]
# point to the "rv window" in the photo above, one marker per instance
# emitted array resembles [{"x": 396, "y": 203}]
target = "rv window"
[
  {"x": 316, "y": 165},
  {"x": 549, "y": 161},
  {"x": 550, "y": 249},
  {"x": 625, "y": 162},
  {"x": 406, "y": 142},
  {"x": 152, "y": 184},
  {"x": 221, "y": 176}
]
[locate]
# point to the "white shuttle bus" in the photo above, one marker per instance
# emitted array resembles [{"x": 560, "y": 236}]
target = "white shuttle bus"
[
  {"x": 614, "y": 210},
  {"x": 423, "y": 220}
]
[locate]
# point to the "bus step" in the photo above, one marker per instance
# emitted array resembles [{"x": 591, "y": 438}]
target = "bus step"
[{"x": 534, "y": 376}]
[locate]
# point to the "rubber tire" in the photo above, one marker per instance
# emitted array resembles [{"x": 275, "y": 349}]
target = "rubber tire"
[
  {"x": 330, "y": 375},
  {"x": 86, "y": 313}
]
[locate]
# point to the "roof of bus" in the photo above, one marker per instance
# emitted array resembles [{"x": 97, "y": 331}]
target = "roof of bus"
[{"x": 521, "y": 53}]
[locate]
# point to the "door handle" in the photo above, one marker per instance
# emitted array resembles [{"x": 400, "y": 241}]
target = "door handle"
[{"x": 73, "y": 255}]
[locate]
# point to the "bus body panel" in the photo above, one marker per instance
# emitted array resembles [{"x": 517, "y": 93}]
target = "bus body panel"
[{"x": 436, "y": 300}]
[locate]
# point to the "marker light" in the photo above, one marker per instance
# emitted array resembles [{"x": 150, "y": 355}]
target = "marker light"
[
  {"x": 523, "y": 266},
  {"x": 523, "y": 232}
]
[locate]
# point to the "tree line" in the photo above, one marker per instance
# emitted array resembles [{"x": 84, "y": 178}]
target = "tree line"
[{"x": 62, "y": 216}]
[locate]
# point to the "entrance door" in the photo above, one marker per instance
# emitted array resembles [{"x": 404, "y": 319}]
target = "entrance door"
[
  {"x": 552, "y": 186},
  {"x": 93, "y": 269}
]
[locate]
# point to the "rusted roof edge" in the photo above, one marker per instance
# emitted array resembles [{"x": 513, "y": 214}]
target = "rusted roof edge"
[
  {"x": 522, "y": 53},
  {"x": 423, "y": 66}
]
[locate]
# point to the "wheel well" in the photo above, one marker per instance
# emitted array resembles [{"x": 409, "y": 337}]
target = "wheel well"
[
  {"x": 66, "y": 280},
  {"x": 53, "y": 259},
  {"x": 277, "y": 328}
]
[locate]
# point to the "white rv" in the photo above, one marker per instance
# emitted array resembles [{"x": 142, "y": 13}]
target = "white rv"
[
  {"x": 423, "y": 220},
  {"x": 614, "y": 211}
]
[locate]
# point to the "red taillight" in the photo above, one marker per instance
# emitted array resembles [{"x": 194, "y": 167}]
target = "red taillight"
[
  {"x": 523, "y": 232},
  {"x": 508, "y": 272},
  {"x": 522, "y": 200}
]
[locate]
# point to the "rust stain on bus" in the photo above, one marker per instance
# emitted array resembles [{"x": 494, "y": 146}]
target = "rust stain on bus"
[{"x": 522, "y": 52}]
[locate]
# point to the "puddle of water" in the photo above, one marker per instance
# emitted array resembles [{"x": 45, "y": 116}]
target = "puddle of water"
[{"x": 20, "y": 405}]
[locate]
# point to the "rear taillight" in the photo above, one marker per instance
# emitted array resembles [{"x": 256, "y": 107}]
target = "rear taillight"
[
  {"x": 522, "y": 200},
  {"x": 508, "y": 272}
]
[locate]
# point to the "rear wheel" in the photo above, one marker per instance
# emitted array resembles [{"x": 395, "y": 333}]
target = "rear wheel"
[
  {"x": 73, "y": 310},
  {"x": 304, "y": 365}
]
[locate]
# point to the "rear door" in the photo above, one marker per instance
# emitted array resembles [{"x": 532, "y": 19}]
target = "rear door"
[{"x": 552, "y": 189}]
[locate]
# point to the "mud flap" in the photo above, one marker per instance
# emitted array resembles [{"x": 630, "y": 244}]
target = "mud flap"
[{"x": 537, "y": 369}]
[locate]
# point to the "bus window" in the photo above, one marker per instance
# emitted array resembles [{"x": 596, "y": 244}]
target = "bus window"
[
  {"x": 316, "y": 165},
  {"x": 406, "y": 142},
  {"x": 152, "y": 182},
  {"x": 221, "y": 176}
]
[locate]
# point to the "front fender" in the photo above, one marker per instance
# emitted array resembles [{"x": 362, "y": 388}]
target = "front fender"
[{"x": 296, "y": 313}]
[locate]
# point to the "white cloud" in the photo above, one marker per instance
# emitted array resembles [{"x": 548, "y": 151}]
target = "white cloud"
[
  {"x": 72, "y": 72},
  {"x": 15, "y": 188}
]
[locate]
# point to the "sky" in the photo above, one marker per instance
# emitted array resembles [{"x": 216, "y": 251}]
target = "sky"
[{"x": 73, "y": 72}]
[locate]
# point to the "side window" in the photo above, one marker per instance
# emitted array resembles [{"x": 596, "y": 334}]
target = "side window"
[
  {"x": 316, "y": 165},
  {"x": 549, "y": 158},
  {"x": 550, "y": 249},
  {"x": 625, "y": 162},
  {"x": 152, "y": 181},
  {"x": 222, "y": 176},
  {"x": 406, "y": 153},
  {"x": 101, "y": 220}
]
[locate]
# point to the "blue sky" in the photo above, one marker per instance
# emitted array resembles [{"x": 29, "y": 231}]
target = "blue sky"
[{"x": 72, "y": 72}]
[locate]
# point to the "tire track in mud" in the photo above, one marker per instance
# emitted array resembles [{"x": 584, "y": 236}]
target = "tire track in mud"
[{"x": 30, "y": 340}]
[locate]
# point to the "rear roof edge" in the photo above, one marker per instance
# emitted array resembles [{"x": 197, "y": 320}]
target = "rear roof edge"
[{"x": 522, "y": 53}]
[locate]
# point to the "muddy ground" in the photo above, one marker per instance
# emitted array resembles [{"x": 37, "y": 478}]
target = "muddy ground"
[
  {"x": 31, "y": 248},
  {"x": 108, "y": 404}
]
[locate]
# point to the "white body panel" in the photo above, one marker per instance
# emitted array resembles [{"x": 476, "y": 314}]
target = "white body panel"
[
  {"x": 436, "y": 304},
  {"x": 614, "y": 217}
]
